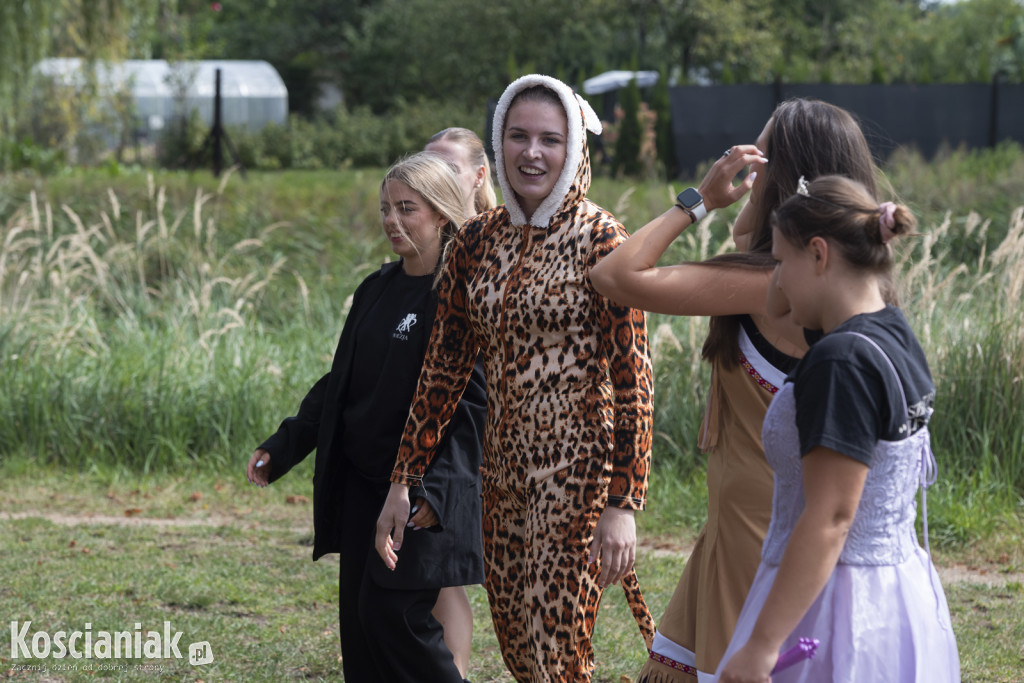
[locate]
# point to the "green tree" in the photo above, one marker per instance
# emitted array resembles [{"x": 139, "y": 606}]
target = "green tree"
[
  {"x": 1011, "y": 59},
  {"x": 965, "y": 42},
  {"x": 303, "y": 39},
  {"x": 24, "y": 38},
  {"x": 627, "y": 145},
  {"x": 664, "y": 140},
  {"x": 33, "y": 29},
  {"x": 462, "y": 49}
]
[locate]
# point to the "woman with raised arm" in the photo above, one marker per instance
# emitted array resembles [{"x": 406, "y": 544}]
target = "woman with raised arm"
[{"x": 750, "y": 349}]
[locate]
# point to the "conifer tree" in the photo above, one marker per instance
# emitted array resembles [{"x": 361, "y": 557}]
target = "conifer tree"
[{"x": 627, "y": 146}]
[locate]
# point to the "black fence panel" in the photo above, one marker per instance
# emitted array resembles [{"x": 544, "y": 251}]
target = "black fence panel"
[
  {"x": 708, "y": 119},
  {"x": 1009, "y": 116}
]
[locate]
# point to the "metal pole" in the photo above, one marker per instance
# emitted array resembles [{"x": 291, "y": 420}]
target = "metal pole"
[{"x": 218, "y": 154}]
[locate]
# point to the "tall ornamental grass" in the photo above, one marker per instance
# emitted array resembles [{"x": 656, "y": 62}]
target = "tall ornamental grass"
[
  {"x": 968, "y": 316},
  {"x": 139, "y": 338},
  {"x": 161, "y": 323}
]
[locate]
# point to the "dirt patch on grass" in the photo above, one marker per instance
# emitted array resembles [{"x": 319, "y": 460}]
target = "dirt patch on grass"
[
  {"x": 990, "y": 574},
  {"x": 134, "y": 520},
  {"x": 987, "y": 574}
]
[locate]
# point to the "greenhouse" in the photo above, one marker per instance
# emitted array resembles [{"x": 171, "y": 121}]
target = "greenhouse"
[{"x": 252, "y": 92}]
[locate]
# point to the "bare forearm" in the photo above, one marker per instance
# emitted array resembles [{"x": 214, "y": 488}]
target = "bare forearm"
[
  {"x": 616, "y": 274},
  {"x": 807, "y": 563}
]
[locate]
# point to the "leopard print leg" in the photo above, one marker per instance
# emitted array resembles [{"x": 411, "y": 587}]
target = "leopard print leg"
[
  {"x": 504, "y": 550},
  {"x": 544, "y": 594},
  {"x": 562, "y": 588}
]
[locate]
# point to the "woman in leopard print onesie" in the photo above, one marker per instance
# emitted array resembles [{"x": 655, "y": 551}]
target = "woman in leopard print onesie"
[{"x": 569, "y": 398}]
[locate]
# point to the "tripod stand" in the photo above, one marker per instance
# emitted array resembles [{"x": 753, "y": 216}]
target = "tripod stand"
[{"x": 216, "y": 135}]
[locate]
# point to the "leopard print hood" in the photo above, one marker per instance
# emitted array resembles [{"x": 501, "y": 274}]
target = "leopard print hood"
[{"x": 574, "y": 182}]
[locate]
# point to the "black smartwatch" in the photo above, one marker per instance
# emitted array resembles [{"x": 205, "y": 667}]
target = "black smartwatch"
[{"x": 690, "y": 201}]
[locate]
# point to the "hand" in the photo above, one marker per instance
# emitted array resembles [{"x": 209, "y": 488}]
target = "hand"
[
  {"x": 750, "y": 665},
  {"x": 615, "y": 543},
  {"x": 258, "y": 470},
  {"x": 393, "y": 517},
  {"x": 717, "y": 188},
  {"x": 423, "y": 516}
]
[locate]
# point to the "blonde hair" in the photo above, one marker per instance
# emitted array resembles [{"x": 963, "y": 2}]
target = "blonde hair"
[
  {"x": 436, "y": 180},
  {"x": 484, "y": 198}
]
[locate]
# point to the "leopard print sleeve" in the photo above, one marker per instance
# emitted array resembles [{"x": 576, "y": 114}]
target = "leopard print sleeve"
[
  {"x": 632, "y": 377},
  {"x": 446, "y": 370}
]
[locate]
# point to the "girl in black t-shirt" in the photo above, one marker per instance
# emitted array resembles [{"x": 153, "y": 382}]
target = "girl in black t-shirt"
[
  {"x": 847, "y": 438},
  {"x": 354, "y": 417}
]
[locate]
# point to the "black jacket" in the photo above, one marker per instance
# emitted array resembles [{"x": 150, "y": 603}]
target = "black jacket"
[{"x": 449, "y": 554}]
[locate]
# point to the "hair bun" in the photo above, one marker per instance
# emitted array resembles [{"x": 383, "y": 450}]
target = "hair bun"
[{"x": 887, "y": 221}]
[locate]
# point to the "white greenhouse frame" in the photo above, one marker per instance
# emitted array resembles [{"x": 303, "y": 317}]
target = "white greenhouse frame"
[{"x": 252, "y": 92}]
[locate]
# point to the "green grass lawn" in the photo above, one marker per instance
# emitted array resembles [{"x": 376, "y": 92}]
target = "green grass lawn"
[
  {"x": 155, "y": 327},
  {"x": 229, "y": 564}
]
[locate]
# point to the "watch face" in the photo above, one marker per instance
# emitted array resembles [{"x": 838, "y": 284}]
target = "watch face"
[{"x": 690, "y": 198}]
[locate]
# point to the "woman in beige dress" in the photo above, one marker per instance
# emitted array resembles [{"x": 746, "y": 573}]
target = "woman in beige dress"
[{"x": 750, "y": 351}]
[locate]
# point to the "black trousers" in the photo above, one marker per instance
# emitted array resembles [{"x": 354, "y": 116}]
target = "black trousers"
[{"x": 387, "y": 635}]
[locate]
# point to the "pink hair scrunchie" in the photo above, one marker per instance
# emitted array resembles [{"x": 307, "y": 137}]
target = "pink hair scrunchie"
[{"x": 887, "y": 220}]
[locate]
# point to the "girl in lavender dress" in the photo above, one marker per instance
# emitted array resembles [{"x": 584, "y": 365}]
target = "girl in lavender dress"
[{"x": 847, "y": 437}]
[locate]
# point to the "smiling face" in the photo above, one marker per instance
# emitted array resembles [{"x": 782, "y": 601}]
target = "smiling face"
[
  {"x": 412, "y": 227},
  {"x": 534, "y": 146}
]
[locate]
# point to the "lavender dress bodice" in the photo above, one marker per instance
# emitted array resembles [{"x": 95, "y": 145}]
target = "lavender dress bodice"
[
  {"x": 883, "y": 528},
  {"x": 882, "y": 616}
]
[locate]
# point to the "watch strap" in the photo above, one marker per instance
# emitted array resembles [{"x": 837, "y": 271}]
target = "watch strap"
[{"x": 693, "y": 217}]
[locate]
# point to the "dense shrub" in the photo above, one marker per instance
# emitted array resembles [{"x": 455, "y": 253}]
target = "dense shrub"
[
  {"x": 18, "y": 155},
  {"x": 629, "y": 140},
  {"x": 343, "y": 137}
]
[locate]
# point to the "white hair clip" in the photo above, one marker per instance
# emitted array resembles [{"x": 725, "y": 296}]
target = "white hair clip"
[{"x": 801, "y": 187}]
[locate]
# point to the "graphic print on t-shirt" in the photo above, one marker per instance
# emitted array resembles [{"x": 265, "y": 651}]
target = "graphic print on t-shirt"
[{"x": 401, "y": 332}]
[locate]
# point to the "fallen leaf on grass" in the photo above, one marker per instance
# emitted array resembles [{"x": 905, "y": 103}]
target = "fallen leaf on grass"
[
  {"x": 296, "y": 500},
  {"x": 131, "y": 512}
]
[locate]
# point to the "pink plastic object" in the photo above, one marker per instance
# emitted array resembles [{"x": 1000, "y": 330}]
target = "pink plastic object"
[{"x": 804, "y": 649}]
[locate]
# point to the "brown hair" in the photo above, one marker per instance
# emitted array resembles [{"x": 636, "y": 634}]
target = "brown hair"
[
  {"x": 805, "y": 137},
  {"x": 485, "y": 198},
  {"x": 847, "y": 215},
  {"x": 536, "y": 93}
]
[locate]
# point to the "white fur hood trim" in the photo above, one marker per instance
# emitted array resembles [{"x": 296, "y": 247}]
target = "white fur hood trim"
[{"x": 581, "y": 118}]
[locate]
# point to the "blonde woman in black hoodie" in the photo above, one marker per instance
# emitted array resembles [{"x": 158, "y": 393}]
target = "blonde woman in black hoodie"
[{"x": 354, "y": 417}]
